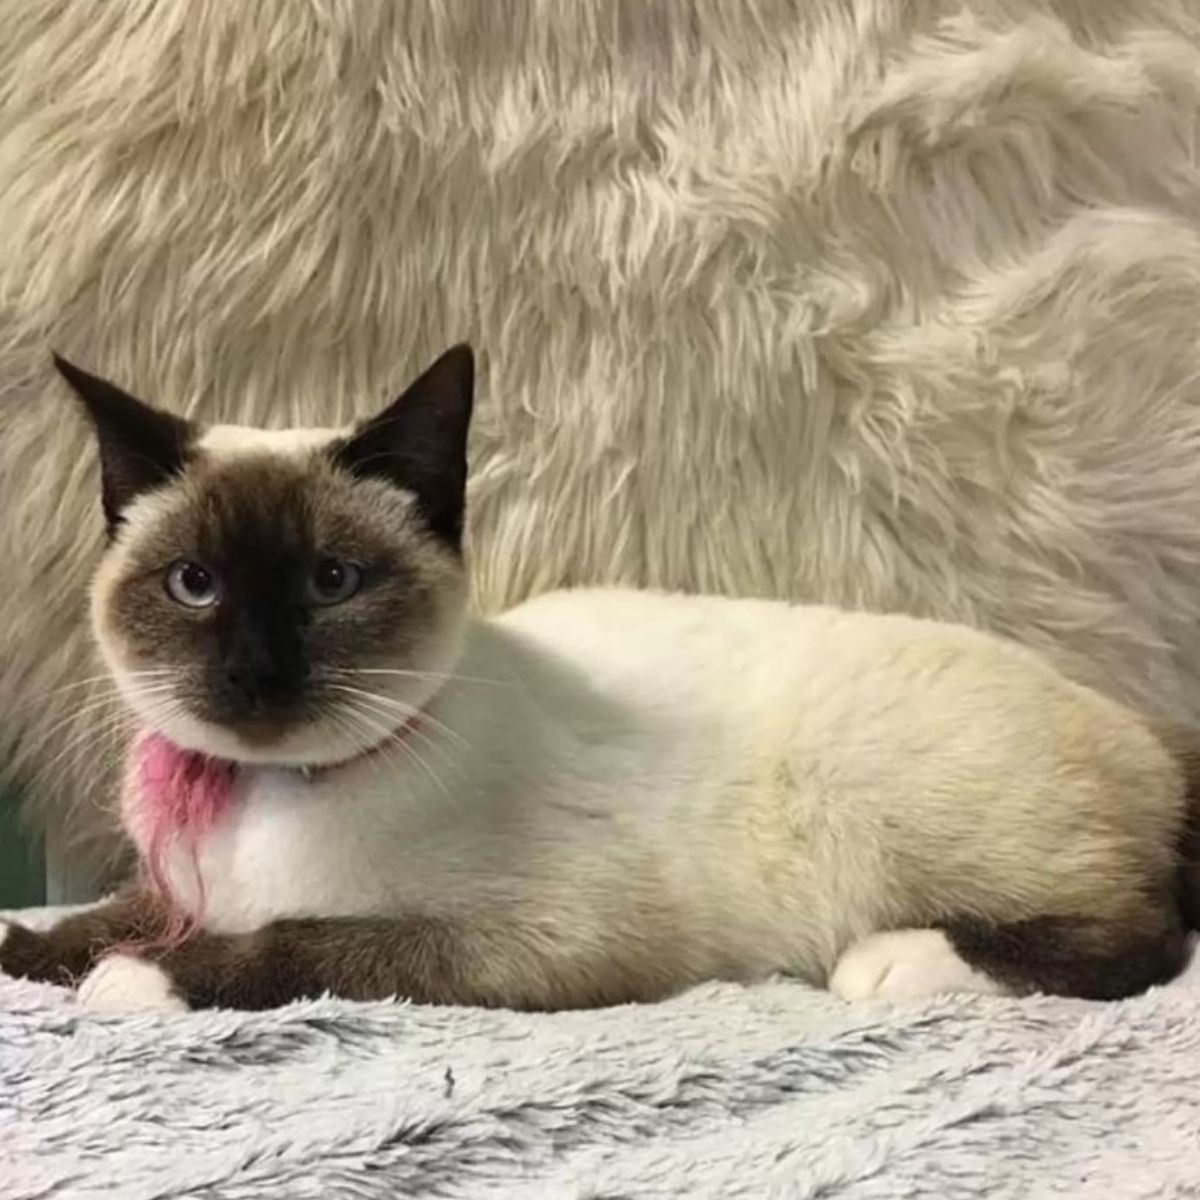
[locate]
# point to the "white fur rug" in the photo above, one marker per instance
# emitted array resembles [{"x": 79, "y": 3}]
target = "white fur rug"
[
  {"x": 775, "y": 1091},
  {"x": 886, "y": 303}
]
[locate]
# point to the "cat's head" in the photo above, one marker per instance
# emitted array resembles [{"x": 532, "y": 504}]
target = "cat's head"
[{"x": 284, "y": 597}]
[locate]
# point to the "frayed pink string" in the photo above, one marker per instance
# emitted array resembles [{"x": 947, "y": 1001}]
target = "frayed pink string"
[{"x": 181, "y": 794}]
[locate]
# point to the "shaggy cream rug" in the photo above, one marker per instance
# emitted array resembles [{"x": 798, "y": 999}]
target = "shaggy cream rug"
[{"x": 887, "y": 302}]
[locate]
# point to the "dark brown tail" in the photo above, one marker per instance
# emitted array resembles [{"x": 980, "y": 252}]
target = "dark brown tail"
[{"x": 1184, "y": 745}]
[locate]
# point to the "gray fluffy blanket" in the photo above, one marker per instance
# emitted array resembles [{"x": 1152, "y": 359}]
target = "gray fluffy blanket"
[{"x": 725, "y": 1092}]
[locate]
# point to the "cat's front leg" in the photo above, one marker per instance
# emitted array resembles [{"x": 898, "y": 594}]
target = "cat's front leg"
[
  {"x": 431, "y": 960},
  {"x": 357, "y": 959},
  {"x": 66, "y": 952}
]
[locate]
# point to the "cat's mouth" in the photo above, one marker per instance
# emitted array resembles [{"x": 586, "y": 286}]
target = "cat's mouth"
[
  {"x": 260, "y": 728},
  {"x": 265, "y": 730}
]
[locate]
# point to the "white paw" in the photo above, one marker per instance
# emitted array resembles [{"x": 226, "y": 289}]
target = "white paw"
[
  {"x": 122, "y": 983},
  {"x": 5, "y": 926},
  {"x": 906, "y": 965}
]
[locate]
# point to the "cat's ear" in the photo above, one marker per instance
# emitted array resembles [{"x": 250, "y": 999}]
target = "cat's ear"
[
  {"x": 419, "y": 443},
  {"x": 140, "y": 447}
]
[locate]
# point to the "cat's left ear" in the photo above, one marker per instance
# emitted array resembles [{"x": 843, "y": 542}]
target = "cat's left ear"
[
  {"x": 140, "y": 447},
  {"x": 419, "y": 443}
]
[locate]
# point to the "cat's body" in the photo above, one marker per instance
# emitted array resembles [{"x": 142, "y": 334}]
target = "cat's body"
[
  {"x": 708, "y": 787},
  {"x": 600, "y": 796}
]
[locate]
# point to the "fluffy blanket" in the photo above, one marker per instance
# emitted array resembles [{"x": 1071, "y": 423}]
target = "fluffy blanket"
[
  {"x": 725, "y": 1092},
  {"x": 882, "y": 302}
]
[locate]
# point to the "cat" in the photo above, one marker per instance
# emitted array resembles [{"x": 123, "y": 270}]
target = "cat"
[{"x": 346, "y": 783}]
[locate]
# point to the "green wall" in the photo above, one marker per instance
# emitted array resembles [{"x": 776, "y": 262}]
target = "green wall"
[{"x": 22, "y": 870}]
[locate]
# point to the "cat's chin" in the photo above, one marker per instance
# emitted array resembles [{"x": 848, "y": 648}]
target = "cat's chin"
[
  {"x": 278, "y": 741},
  {"x": 303, "y": 746}
]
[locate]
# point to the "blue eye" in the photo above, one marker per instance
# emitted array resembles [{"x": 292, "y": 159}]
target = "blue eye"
[
  {"x": 333, "y": 581},
  {"x": 192, "y": 585}
]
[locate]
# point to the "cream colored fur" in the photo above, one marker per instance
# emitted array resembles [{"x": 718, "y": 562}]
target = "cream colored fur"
[
  {"x": 667, "y": 789},
  {"x": 889, "y": 304}
]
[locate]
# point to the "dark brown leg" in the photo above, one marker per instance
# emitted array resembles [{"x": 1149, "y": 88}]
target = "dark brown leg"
[
  {"x": 431, "y": 960},
  {"x": 298, "y": 959},
  {"x": 65, "y": 953},
  {"x": 1075, "y": 956}
]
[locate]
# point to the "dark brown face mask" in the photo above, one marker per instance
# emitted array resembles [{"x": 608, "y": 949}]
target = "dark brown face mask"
[{"x": 264, "y": 580}]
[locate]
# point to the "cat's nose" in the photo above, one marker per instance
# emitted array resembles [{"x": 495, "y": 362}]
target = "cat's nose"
[
  {"x": 257, "y": 686},
  {"x": 249, "y": 683},
  {"x": 261, "y": 667}
]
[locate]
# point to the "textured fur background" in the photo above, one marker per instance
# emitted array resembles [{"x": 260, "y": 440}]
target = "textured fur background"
[{"x": 889, "y": 303}]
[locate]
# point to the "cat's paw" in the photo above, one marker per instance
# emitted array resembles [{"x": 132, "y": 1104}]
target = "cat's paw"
[
  {"x": 906, "y": 964},
  {"x": 122, "y": 983},
  {"x": 22, "y": 951}
]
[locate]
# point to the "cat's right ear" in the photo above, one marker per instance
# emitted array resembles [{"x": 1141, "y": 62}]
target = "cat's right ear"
[
  {"x": 140, "y": 447},
  {"x": 419, "y": 443}
]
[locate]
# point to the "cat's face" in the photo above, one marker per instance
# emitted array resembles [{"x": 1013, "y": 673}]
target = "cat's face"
[{"x": 287, "y": 597}]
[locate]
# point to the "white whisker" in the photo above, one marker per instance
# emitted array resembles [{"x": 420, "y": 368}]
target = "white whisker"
[
  {"x": 441, "y": 676},
  {"x": 390, "y": 747},
  {"x": 115, "y": 719},
  {"x": 400, "y": 708},
  {"x": 90, "y": 705},
  {"x": 103, "y": 678},
  {"x": 88, "y": 738},
  {"x": 416, "y": 729}
]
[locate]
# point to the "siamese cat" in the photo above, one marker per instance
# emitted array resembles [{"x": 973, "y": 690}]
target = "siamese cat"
[{"x": 345, "y": 783}]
